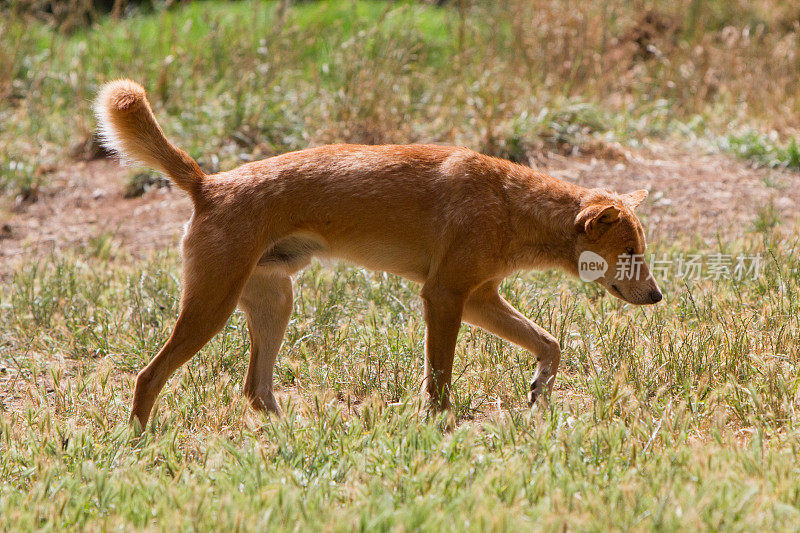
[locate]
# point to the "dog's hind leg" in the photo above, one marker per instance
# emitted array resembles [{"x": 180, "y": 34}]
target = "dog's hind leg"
[
  {"x": 212, "y": 284},
  {"x": 267, "y": 302},
  {"x": 488, "y": 310}
]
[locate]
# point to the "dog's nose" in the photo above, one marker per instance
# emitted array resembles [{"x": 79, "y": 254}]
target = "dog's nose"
[{"x": 655, "y": 296}]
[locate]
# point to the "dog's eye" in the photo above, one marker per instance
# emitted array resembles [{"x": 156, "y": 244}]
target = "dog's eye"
[{"x": 629, "y": 250}]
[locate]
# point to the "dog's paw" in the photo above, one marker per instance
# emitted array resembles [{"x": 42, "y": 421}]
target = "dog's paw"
[
  {"x": 538, "y": 385},
  {"x": 266, "y": 402}
]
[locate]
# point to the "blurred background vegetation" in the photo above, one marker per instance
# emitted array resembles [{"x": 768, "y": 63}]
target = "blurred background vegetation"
[{"x": 249, "y": 79}]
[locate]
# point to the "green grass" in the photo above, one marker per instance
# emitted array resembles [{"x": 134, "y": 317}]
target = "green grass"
[
  {"x": 764, "y": 150},
  {"x": 239, "y": 80},
  {"x": 680, "y": 415}
]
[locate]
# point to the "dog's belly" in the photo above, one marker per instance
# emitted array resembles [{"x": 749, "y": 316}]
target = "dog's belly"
[
  {"x": 384, "y": 256},
  {"x": 294, "y": 252}
]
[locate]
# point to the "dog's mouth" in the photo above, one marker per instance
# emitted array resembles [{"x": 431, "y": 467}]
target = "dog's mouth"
[
  {"x": 618, "y": 293},
  {"x": 614, "y": 290}
]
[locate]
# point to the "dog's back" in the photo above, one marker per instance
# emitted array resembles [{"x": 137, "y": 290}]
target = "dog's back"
[{"x": 456, "y": 221}]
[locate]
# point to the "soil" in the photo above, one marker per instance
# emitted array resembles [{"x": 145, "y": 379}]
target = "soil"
[{"x": 691, "y": 196}]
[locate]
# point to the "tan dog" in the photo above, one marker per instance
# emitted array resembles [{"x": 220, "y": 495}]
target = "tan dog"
[{"x": 451, "y": 219}]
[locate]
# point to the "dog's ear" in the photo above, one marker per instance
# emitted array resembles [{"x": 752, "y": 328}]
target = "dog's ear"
[
  {"x": 595, "y": 219},
  {"x": 633, "y": 199}
]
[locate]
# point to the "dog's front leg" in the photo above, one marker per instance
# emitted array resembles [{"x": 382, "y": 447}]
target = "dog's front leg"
[
  {"x": 486, "y": 309},
  {"x": 443, "y": 309}
]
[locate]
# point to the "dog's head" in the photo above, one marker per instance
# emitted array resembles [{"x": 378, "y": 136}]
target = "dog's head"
[{"x": 611, "y": 247}]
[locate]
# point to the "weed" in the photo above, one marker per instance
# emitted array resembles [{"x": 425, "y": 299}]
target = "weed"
[
  {"x": 142, "y": 182},
  {"x": 763, "y": 149},
  {"x": 660, "y": 418},
  {"x": 767, "y": 218}
]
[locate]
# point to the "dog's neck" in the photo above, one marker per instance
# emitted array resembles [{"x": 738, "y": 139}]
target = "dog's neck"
[{"x": 544, "y": 221}]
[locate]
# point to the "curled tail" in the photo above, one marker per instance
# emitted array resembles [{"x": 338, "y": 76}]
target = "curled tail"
[{"x": 127, "y": 126}]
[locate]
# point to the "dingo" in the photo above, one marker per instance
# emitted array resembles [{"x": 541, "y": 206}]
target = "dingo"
[{"x": 453, "y": 220}]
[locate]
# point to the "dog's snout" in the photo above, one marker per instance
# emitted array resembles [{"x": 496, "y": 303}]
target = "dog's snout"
[{"x": 655, "y": 296}]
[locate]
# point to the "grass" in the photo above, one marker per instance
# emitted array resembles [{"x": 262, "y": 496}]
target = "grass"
[
  {"x": 680, "y": 416},
  {"x": 762, "y": 149},
  {"x": 683, "y": 415},
  {"x": 479, "y": 75}
]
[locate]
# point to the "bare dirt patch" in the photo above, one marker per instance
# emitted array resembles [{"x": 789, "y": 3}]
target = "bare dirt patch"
[
  {"x": 85, "y": 201},
  {"x": 691, "y": 196}
]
